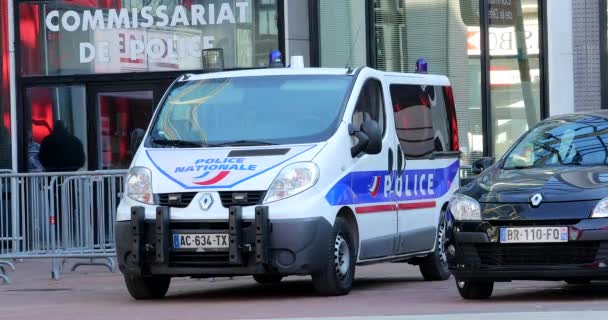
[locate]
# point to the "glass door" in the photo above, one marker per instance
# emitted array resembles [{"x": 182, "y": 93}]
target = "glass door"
[{"x": 118, "y": 111}]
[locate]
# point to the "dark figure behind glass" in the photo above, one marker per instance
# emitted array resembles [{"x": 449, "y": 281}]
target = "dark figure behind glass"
[{"x": 61, "y": 151}]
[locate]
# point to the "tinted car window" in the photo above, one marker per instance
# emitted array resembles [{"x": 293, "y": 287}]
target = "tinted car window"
[
  {"x": 370, "y": 105},
  {"x": 579, "y": 142},
  {"x": 421, "y": 119}
]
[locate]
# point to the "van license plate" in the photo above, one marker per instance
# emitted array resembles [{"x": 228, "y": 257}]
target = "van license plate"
[
  {"x": 200, "y": 242},
  {"x": 534, "y": 235}
]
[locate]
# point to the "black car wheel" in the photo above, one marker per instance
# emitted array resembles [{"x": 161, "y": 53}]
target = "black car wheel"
[
  {"x": 337, "y": 275},
  {"x": 475, "y": 290},
  {"x": 435, "y": 266},
  {"x": 147, "y": 288}
]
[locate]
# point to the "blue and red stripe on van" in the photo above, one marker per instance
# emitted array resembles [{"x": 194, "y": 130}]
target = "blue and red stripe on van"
[{"x": 417, "y": 189}]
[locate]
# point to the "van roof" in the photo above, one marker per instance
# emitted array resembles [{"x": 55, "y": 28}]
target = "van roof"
[{"x": 427, "y": 78}]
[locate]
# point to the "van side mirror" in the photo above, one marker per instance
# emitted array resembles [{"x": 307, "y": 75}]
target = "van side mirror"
[
  {"x": 137, "y": 136},
  {"x": 481, "y": 165},
  {"x": 369, "y": 136}
]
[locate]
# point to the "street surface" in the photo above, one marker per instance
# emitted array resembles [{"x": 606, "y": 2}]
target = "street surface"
[{"x": 394, "y": 290}]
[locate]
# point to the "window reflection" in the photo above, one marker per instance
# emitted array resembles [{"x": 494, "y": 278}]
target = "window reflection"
[{"x": 514, "y": 71}]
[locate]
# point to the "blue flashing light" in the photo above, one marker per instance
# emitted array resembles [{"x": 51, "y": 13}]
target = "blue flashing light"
[
  {"x": 422, "y": 66},
  {"x": 275, "y": 59}
]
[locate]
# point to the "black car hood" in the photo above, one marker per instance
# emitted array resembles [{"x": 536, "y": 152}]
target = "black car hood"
[{"x": 555, "y": 184}]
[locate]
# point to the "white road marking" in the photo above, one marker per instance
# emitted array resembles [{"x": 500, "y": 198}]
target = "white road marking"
[{"x": 578, "y": 315}]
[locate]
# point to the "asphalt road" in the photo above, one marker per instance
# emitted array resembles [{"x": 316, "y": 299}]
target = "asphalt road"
[{"x": 393, "y": 290}]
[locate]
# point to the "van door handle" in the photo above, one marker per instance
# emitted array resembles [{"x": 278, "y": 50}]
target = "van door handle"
[
  {"x": 390, "y": 161},
  {"x": 400, "y": 161}
]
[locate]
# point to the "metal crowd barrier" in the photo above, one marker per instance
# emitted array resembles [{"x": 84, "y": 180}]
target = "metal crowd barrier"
[{"x": 59, "y": 216}]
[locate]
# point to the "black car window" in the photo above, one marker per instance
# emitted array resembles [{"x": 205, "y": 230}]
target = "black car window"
[{"x": 582, "y": 141}]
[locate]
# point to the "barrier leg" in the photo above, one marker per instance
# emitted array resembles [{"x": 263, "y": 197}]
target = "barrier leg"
[
  {"x": 55, "y": 270},
  {"x": 109, "y": 263},
  {"x": 5, "y": 279}
]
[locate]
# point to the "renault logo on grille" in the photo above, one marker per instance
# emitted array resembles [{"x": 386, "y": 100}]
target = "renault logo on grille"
[
  {"x": 536, "y": 200},
  {"x": 206, "y": 201}
]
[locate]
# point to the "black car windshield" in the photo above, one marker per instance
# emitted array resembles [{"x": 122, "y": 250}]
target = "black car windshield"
[
  {"x": 582, "y": 141},
  {"x": 251, "y": 111}
]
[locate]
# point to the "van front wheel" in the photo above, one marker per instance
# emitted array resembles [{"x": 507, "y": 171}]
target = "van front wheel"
[
  {"x": 147, "y": 288},
  {"x": 337, "y": 275},
  {"x": 435, "y": 266}
]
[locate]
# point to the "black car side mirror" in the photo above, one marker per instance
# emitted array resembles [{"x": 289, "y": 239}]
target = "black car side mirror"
[
  {"x": 481, "y": 165},
  {"x": 369, "y": 136},
  {"x": 137, "y": 136}
]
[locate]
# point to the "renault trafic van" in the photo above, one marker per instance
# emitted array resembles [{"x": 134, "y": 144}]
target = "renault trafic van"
[{"x": 290, "y": 171}]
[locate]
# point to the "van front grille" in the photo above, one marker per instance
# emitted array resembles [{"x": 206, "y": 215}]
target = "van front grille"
[
  {"x": 241, "y": 198},
  {"x": 175, "y": 200}
]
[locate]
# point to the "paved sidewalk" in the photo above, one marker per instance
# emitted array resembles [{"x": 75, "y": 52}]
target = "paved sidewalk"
[{"x": 395, "y": 290}]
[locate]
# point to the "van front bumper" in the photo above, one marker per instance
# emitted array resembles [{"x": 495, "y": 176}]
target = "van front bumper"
[
  {"x": 260, "y": 246},
  {"x": 474, "y": 252}
]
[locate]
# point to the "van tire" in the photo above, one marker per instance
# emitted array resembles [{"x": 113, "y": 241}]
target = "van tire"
[
  {"x": 475, "y": 290},
  {"x": 435, "y": 266},
  {"x": 147, "y": 288},
  {"x": 338, "y": 272},
  {"x": 267, "y": 278}
]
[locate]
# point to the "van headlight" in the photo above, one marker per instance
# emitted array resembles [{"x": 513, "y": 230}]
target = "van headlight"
[
  {"x": 139, "y": 185},
  {"x": 465, "y": 208},
  {"x": 293, "y": 179},
  {"x": 601, "y": 209}
]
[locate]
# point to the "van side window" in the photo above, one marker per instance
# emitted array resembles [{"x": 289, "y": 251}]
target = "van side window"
[
  {"x": 422, "y": 119},
  {"x": 370, "y": 105}
]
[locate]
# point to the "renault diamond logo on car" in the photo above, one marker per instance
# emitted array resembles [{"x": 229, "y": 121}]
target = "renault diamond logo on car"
[
  {"x": 536, "y": 200},
  {"x": 206, "y": 201}
]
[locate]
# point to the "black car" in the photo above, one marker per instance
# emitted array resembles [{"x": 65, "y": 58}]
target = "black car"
[{"x": 539, "y": 213}]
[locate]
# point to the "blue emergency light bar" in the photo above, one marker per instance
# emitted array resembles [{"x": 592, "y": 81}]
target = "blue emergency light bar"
[
  {"x": 275, "y": 59},
  {"x": 422, "y": 66}
]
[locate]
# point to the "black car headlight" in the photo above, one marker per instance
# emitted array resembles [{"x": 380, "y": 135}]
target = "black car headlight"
[{"x": 464, "y": 208}]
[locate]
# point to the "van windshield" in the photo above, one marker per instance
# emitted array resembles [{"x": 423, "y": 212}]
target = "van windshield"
[{"x": 251, "y": 111}]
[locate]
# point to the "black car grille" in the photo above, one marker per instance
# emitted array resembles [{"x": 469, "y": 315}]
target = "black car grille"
[
  {"x": 537, "y": 254},
  {"x": 241, "y": 198},
  {"x": 198, "y": 259},
  {"x": 175, "y": 200}
]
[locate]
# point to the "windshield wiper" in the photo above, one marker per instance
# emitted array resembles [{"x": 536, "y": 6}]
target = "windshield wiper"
[
  {"x": 245, "y": 143},
  {"x": 177, "y": 143}
]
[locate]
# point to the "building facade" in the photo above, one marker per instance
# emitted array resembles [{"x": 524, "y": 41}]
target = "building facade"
[{"x": 101, "y": 66}]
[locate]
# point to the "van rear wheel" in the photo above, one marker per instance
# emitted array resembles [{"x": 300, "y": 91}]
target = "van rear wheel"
[
  {"x": 337, "y": 275},
  {"x": 435, "y": 266},
  {"x": 147, "y": 288}
]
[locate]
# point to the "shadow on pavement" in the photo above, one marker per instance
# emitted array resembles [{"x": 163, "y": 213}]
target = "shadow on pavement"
[
  {"x": 289, "y": 289},
  {"x": 594, "y": 291}
]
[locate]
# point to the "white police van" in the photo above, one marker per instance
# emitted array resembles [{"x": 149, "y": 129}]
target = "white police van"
[{"x": 290, "y": 171}]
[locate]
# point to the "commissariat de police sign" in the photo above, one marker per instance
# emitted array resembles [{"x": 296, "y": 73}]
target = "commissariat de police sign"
[{"x": 159, "y": 17}]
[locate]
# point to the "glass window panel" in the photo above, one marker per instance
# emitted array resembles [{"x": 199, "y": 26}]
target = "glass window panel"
[
  {"x": 57, "y": 139},
  {"x": 514, "y": 70},
  {"x": 120, "y": 114},
  {"x": 109, "y": 36},
  {"x": 342, "y": 30},
  {"x": 5, "y": 115}
]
